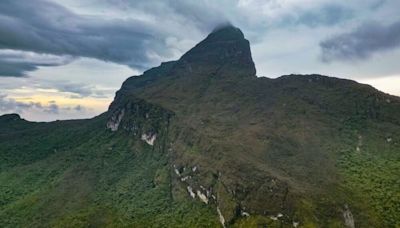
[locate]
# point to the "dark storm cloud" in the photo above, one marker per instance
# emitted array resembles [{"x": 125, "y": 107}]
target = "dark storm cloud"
[
  {"x": 17, "y": 63},
  {"x": 10, "y": 69},
  {"x": 361, "y": 43},
  {"x": 44, "y": 27}
]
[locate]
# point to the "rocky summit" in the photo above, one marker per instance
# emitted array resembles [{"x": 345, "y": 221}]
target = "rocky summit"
[{"x": 203, "y": 142}]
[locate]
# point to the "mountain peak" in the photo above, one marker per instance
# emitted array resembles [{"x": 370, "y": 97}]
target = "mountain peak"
[
  {"x": 226, "y": 32},
  {"x": 225, "y": 47}
]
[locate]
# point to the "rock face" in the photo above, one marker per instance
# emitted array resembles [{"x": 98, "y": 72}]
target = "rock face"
[
  {"x": 221, "y": 217},
  {"x": 348, "y": 217},
  {"x": 115, "y": 120},
  {"x": 149, "y": 138},
  {"x": 139, "y": 118}
]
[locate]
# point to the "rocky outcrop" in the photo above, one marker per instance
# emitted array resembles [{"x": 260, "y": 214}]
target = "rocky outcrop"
[
  {"x": 348, "y": 217},
  {"x": 221, "y": 217},
  {"x": 142, "y": 119},
  {"x": 149, "y": 138},
  {"x": 115, "y": 120}
]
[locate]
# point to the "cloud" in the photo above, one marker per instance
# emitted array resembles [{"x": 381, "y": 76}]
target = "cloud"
[
  {"x": 325, "y": 15},
  {"x": 52, "y": 109},
  {"x": 47, "y": 28},
  {"x": 361, "y": 43},
  {"x": 79, "y": 108},
  {"x": 10, "y": 69},
  {"x": 78, "y": 90},
  {"x": 10, "y": 105},
  {"x": 72, "y": 89},
  {"x": 15, "y": 63},
  {"x": 137, "y": 33}
]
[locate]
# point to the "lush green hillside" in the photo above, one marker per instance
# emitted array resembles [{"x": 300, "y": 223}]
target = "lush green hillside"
[
  {"x": 78, "y": 174},
  {"x": 203, "y": 142}
]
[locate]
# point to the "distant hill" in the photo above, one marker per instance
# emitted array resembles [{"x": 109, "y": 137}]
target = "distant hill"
[{"x": 203, "y": 142}]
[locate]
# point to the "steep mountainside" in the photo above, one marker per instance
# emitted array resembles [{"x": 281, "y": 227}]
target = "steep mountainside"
[{"x": 203, "y": 142}]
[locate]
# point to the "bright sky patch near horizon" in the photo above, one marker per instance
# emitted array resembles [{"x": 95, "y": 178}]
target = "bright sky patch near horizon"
[{"x": 65, "y": 59}]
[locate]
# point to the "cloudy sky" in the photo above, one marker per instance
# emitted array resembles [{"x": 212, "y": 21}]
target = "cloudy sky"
[{"x": 64, "y": 59}]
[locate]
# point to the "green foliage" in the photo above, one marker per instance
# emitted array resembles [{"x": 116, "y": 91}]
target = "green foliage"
[
  {"x": 370, "y": 166},
  {"x": 98, "y": 179},
  {"x": 376, "y": 179}
]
